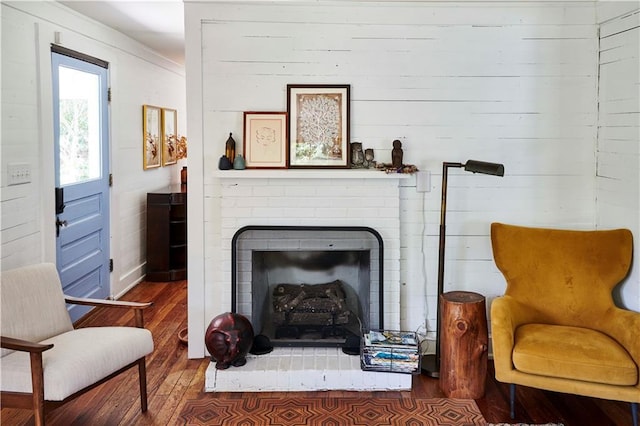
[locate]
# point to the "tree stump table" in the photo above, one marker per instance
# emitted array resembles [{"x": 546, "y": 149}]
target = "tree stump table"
[{"x": 463, "y": 344}]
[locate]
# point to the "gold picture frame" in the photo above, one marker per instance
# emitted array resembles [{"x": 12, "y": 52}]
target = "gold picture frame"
[
  {"x": 151, "y": 134},
  {"x": 318, "y": 125},
  {"x": 169, "y": 136},
  {"x": 265, "y": 140}
]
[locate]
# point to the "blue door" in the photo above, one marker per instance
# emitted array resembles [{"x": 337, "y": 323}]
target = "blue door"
[{"x": 82, "y": 178}]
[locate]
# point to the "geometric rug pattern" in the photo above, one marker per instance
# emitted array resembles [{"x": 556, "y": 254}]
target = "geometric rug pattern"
[{"x": 319, "y": 411}]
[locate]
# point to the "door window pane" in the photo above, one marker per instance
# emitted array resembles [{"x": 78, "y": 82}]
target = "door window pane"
[{"x": 79, "y": 94}]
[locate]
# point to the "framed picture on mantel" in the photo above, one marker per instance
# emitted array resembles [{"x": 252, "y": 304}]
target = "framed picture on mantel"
[
  {"x": 318, "y": 125},
  {"x": 265, "y": 140}
]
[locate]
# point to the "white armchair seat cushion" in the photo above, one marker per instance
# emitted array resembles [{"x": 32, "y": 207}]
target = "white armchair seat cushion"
[{"x": 78, "y": 359}]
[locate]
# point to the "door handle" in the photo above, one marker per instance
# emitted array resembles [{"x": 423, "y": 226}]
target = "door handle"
[
  {"x": 59, "y": 224},
  {"x": 60, "y": 200}
]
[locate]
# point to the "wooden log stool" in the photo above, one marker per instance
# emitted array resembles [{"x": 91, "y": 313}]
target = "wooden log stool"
[{"x": 463, "y": 344}]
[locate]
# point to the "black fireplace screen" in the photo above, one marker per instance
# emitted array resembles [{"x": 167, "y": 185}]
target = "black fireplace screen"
[{"x": 308, "y": 285}]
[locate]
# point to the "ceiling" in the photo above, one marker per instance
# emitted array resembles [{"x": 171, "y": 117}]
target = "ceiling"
[{"x": 158, "y": 24}]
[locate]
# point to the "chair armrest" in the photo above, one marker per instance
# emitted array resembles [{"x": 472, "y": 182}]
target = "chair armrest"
[
  {"x": 106, "y": 303},
  {"x": 36, "y": 366},
  {"x": 23, "y": 345},
  {"x": 623, "y": 326},
  {"x": 507, "y": 314},
  {"x": 137, "y": 306}
]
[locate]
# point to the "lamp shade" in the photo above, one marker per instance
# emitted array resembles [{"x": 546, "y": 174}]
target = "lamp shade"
[{"x": 484, "y": 167}]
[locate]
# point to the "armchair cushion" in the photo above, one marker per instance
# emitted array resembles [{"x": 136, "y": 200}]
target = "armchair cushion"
[
  {"x": 78, "y": 359},
  {"x": 572, "y": 353},
  {"x": 33, "y": 305}
]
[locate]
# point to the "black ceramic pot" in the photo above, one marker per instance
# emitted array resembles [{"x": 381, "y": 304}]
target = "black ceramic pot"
[{"x": 224, "y": 163}]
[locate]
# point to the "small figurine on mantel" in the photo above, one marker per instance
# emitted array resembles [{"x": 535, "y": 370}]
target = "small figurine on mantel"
[
  {"x": 361, "y": 159},
  {"x": 357, "y": 156},
  {"x": 396, "y": 165},
  {"x": 396, "y": 154},
  {"x": 369, "y": 161}
]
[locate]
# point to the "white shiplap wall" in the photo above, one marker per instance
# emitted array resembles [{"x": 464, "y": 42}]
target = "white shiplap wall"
[
  {"x": 137, "y": 76},
  {"x": 20, "y": 205},
  {"x": 509, "y": 82},
  {"x": 618, "y": 153}
]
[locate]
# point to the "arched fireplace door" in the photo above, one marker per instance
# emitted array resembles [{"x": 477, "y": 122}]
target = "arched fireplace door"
[{"x": 308, "y": 285}]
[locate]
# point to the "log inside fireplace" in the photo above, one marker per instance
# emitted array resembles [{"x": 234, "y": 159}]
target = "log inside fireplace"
[{"x": 298, "y": 308}]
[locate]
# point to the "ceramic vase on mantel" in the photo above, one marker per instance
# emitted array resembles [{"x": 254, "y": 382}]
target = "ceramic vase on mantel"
[
  {"x": 238, "y": 163},
  {"x": 230, "y": 149},
  {"x": 224, "y": 163}
]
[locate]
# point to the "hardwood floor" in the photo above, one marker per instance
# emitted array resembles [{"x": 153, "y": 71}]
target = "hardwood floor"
[{"x": 173, "y": 379}]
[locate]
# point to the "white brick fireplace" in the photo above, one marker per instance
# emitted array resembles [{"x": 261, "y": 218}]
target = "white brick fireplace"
[{"x": 309, "y": 198}]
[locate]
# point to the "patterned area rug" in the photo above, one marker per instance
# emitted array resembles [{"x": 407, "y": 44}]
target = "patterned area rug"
[{"x": 306, "y": 411}]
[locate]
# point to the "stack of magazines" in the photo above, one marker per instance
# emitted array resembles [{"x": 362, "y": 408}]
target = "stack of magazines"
[{"x": 390, "y": 351}]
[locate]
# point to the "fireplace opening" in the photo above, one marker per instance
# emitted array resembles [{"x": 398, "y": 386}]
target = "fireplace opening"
[
  {"x": 302, "y": 296},
  {"x": 308, "y": 286}
]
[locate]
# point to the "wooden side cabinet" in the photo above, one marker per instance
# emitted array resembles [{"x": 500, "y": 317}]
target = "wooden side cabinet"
[{"x": 167, "y": 236}]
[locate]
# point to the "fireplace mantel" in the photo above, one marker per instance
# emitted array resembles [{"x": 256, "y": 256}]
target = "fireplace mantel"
[
  {"x": 302, "y": 197},
  {"x": 308, "y": 174}
]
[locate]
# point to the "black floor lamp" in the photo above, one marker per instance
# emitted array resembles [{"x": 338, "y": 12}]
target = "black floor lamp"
[{"x": 431, "y": 362}]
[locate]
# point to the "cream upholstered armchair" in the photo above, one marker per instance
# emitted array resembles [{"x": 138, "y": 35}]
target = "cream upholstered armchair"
[
  {"x": 556, "y": 327},
  {"x": 45, "y": 361}
]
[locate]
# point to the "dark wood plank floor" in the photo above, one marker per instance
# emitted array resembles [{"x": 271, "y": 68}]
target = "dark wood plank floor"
[{"x": 173, "y": 379}]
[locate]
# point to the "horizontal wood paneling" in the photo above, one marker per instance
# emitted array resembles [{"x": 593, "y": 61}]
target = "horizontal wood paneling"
[
  {"x": 514, "y": 82},
  {"x": 618, "y": 150},
  {"x": 20, "y": 225}
]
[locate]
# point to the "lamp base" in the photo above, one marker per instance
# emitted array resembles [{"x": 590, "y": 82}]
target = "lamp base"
[{"x": 429, "y": 367}]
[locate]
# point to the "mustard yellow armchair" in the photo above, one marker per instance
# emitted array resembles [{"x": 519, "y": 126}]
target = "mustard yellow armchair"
[{"x": 556, "y": 327}]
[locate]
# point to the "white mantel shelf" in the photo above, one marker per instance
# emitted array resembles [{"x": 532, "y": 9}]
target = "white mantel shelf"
[{"x": 308, "y": 174}]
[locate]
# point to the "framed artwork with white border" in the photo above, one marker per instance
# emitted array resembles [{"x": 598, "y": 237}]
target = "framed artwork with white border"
[
  {"x": 169, "y": 136},
  {"x": 318, "y": 125},
  {"x": 265, "y": 140},
  {"x": 151, "y": 137}
]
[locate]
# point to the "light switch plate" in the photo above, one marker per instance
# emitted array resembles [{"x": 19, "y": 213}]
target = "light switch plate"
[{"x": 19, "y": 173}]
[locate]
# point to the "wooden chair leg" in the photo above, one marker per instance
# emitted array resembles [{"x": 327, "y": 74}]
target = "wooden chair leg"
[
  {"x": 142, "y": 375},
  {"x": 37, "y": 384},
  {"x": 634, "y": 413},
  {"x": 512, "y": 400}
]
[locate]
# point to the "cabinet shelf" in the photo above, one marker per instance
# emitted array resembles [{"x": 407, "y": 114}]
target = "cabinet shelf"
[{"x": 167, "y": 235}]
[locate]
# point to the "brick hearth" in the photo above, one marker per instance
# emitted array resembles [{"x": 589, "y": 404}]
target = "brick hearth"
[{"x": 302, "y": 369}]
